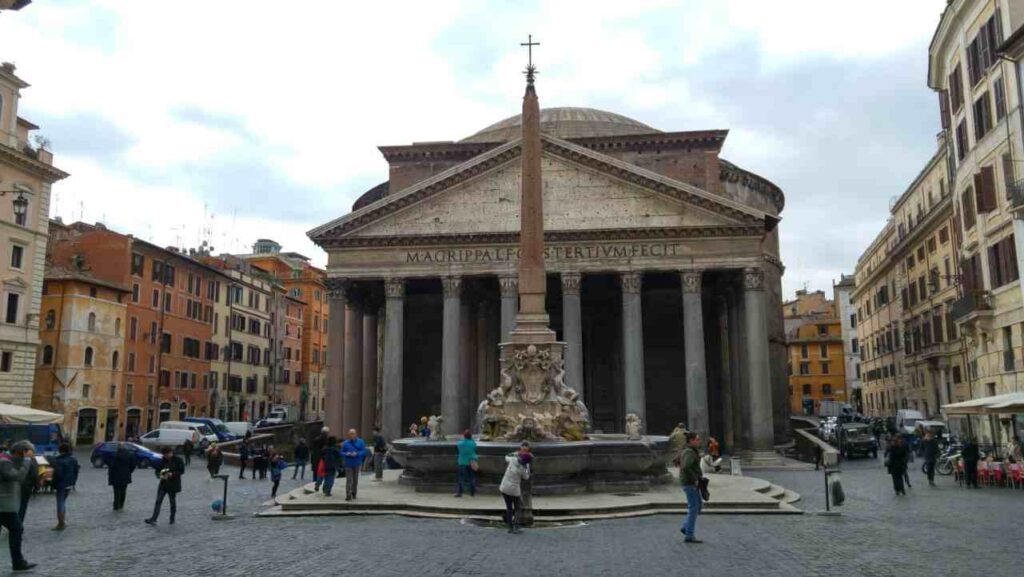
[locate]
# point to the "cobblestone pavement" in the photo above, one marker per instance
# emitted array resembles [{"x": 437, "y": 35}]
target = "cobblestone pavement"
[{"x": 932, "y": 531}]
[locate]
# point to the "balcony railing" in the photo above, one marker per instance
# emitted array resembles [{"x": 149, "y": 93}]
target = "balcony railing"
[
  {"x": 970, "y": 303},
  {"x": 1016, "y": 194}
]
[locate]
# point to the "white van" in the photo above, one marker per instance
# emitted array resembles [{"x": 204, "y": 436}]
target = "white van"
[
  {"x": 205, "y": 432},
  {"x": 159, "y": 438},
  {"x": 906, "y": 420}
]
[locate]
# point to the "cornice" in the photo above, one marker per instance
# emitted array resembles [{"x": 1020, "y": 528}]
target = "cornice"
[
  {"x": 729, "y": 172},
  {"x": 694, "y": 232},
  {"x": 47, "y": 172}
]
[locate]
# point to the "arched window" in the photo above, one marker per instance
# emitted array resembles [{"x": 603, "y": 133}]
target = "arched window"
[
  {"x": 88, "y": 356},
  {"x": 165, "y": 412},
  {"x": 117, "y": 327},
  {"x": 114, "y": 358},
  {"x": 47, "y": 355},
  {"x": 92, "y": 321},
  {"x": 51, "y": 319}
]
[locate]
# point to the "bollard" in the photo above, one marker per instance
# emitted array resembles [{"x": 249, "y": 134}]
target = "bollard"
[{"x": 223, "y": 516}]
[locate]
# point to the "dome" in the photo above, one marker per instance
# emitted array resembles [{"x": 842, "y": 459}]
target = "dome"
[{"x": 565, "y": 123}]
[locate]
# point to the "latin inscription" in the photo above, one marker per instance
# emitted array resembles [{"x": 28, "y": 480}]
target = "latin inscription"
[{"x": 551, "y": 253}]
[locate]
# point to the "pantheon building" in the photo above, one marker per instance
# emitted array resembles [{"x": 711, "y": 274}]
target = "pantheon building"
[{"x": 664, "y": 280}]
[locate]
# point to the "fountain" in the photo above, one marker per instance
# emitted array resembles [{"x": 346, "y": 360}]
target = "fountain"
[{"x": 532, "y": 402}]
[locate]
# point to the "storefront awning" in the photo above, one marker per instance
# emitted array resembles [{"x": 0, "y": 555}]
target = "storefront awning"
[
  {"x": 18, "y": 415},
  {"x": 995, "y": 405}
]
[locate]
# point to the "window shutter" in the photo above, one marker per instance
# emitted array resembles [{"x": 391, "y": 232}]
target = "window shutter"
[
  {"x": 988, "y": 182},
  {"x": 1012, "y": 272},
  {"x": 994, "y": 268},
  {"x": 944, "y": 108}
]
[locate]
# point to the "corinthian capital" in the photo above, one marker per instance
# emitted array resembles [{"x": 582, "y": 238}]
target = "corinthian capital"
[
  {"x": 753, "y": 279},
  {"x": 394, "y": 288},
  {"x": 336, "y": 288},
  {"x": 452, "y": 286},
  {"x": 631, "y": 282},
  {"x": 509, "y": 285},
  {"x": 691, "y": 280},
  {"x": 571, "y": 283}
]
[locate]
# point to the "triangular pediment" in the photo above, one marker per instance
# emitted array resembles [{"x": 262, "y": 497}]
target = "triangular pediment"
[{"x": 583, "y": 190}]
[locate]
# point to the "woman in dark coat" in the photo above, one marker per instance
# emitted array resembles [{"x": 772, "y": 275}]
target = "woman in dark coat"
[
  {"x": 896, "y": 457},
  {"x": 971, "y": 455},
  {"x": 214, "y": 459},
  {"x": 169, "y": 472},
  {"x": 119, "y": 475}
]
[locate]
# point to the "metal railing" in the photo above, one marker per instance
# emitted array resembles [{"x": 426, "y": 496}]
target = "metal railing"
[
  {"x": 1015, "y": 193},
  {"x": 970, "y": 303}
]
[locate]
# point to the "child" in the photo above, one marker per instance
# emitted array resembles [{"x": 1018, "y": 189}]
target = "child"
[{"x": 277, "y": 464}]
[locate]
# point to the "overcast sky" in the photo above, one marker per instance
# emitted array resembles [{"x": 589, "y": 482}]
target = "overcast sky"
[{"x": 231, "y": 120}]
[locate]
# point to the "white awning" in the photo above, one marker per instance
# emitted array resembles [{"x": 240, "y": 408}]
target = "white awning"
[
  {"x": 995, "y": 405},
  {"x": 18, "y": 415}
]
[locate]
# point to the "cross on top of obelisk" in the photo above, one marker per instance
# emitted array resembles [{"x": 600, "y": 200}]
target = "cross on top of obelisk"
[{"x": 531, "y": 70}]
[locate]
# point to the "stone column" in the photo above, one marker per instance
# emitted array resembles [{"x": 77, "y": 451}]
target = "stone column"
[
  {"x": 741, "y": 402},
  {"x": 509, "y": 305},
  {"x": 759, "y": 419},
  {"x": 353, "y": 396},
  {"x": 394, "y": 341},
  {"x": 467, "y": 361},
  {"x": 369, "y": 398},
  {"x": 335, "y": 386},
  {"x": 633, "y": 345},
  {"x": 693, "y": 345},
  {"x": 724, "y": 352},
  {"x": 451, "y": 395},
  {"x": 572, "y": 328}
]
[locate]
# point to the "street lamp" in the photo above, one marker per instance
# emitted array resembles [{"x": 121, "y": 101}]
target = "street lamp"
[{"x": 20, "y": 205}]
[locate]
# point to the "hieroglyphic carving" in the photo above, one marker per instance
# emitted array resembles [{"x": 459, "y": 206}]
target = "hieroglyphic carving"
[
  {"x": 571, "y": 283},
  {"x": 631, "y": 282}
]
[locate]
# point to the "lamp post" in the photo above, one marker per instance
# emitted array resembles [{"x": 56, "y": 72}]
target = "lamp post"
[{"x": 20, "y": 205}]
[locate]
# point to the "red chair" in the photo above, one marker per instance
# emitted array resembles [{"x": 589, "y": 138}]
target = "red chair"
[
  {"x": 959, "y": 472},
  {"x": 983, "y": 477},
  {"x": 1016, "y": 475},
  {"x": 995, "y": 473}
]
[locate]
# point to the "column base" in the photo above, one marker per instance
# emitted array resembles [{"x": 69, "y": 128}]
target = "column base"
[{"x": 532, "y": 329}]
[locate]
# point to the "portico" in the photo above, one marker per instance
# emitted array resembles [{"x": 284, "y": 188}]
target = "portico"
[{"x": 661, "y": 290}]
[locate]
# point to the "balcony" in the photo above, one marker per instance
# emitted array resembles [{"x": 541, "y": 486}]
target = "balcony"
[
  {"x": 973, "y": 308},
  {"x": 1016, "y": 194}
]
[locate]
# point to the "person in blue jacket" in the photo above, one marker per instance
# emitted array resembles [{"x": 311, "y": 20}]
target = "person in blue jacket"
[
  {"x": 277, "y": 464},
  {"x": 65, "y": 476},
  {"x": 353, "y": 452}
]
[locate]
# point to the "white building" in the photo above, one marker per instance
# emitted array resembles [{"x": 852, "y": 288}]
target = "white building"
[{"x": 847, "y": 313}]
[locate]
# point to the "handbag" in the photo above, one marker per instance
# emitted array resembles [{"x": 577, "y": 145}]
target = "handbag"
[
  {"x": 474, "y": 465},
  {"x": 702, "y": 486}
]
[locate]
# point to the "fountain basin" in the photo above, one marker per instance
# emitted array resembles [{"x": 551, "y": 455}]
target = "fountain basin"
[{"x": 603, "y": 463}]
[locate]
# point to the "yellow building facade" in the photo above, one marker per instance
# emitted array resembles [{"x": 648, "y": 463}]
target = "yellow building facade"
[{"x": 814, "y": 342}]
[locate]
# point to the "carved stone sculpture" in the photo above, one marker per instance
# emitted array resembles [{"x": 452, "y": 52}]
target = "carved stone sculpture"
[
  {"x": 633, "y": 426},
  {"x": 435, "y": 422}
]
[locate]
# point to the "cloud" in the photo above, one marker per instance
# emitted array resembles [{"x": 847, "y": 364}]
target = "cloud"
[{"x": 254, "y": 120}]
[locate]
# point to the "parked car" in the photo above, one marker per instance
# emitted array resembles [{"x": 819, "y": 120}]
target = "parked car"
[
  {"x": 206, "y": 434},
  {"x": 159, "y": 438},
  {"x": 239, "y": 428},
  {"x": 217, "y": 425},
  {"x": 103, "y": 454},
  {"x": 856, "y": 439},
  {"x": 906, "y": 420}
]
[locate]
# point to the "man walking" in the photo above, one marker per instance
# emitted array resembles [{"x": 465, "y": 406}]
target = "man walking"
[
  {"x": 119, "y": 475},
  {"x": 13, "y": 470},
  {"x": 316, "y": 453},
  {"x": 28, "y": 487},
  {"x": 331, "y": 460},
  {"x": 930, "y": 450},
  {"x": 65, "y": 476},
  {"x": 243, "y": 456},
  {"x": 689, "y": 478},
  {"x": 971, "y": 455},
  {"x": 354, "y": 453},
  {"x": 301, "y": 457},
  {"x": 896, "y": 459},
  {"x": 380, "y": 449},
  {"x": 169, "y": 472},
  {"x": 187, "y": 448}
]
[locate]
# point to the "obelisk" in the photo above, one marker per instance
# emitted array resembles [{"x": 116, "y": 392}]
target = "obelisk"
[{"x": 532, "y": 320}]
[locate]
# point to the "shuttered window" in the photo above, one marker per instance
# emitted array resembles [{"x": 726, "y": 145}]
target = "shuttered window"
[
  {"x": 985, "y": 189},
  {"x": 967, "y": 201},
  {"x": 1002, "y": 262},
  {"x": 956, "y": 88}
]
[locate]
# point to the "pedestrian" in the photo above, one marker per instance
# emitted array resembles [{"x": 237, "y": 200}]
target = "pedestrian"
[
  {"x": 65, "y": 475},
  {"x": 187, "y": 448},
  {"x": 301, "y": 456},
  {"x": 467, "y": 463},
  {"x": 169, "y": 472},
  {"x": 424, "y": 428},
  {"x": 971, "y": 455},
  {"x": 908, "y": 443},
  {"x": 243, "y": 456},
  {"x": 414, "y": 430},
  {"x": 896, "y": 463},
  {"x": 330, "y": 460},
  {"x": 354, "y": 453},
  {"x": 277, "y": 464},
  {"x": 517, "y": 470},
  {"x": 316, "y": 454},
  {"x": 380, "y": 449},
  {"x": 930, "y": 450},
  {"x": 13, "y": 469},
  {"x": 28, "y": 487},
  {"x": 119, "y": 474},
  {"x": 214, "y": 459},
  {"x": 689, "y": 478},
  {"x": 714, "y": 449},
  {"x": 819, "y": 456},
  {"x": 260, "y": 463}
]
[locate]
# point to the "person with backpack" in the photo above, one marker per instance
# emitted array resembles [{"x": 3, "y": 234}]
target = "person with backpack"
[
  {"x": 301, "y": 456},
  {"x": 517, "y": 471},
  {"x": 65, "y": 475},
  {"x": 329, "y": 465},
  {"x": 13, "y": 468},
  {"x": 119, "y": 475},
  {"x": 316, "y": 455},
  {"x": 169, "y": 472}
]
